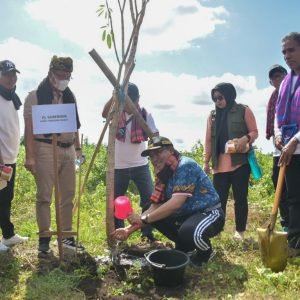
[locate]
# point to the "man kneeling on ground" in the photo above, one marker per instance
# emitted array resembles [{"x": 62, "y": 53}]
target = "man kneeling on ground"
[{"x": 185, "y": 206}]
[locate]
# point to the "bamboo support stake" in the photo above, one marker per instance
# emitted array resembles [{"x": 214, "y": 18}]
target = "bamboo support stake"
[
  {"x": 79, "y": 195},
  {"x": 81, "y": 188},
  {"x": 110, "y": 76}
]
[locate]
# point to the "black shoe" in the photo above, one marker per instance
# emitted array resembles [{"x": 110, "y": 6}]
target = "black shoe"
[
  {"x": 44, "y": 243},
  {"x": 294, "y": 242},
  {"x": 149, "y": 238},
  {"x": 70, "y": 243},
  {"x": 199, "y": 258}
]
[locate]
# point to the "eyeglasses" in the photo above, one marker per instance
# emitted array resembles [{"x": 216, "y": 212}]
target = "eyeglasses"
[{"x": 220, "y": 98}]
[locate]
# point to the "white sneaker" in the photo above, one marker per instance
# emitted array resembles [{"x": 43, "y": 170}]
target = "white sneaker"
[
  {"x": 14, "y": 240},
  {"x": 239, "y": 235},
  {"x": 3, "y": 248}
]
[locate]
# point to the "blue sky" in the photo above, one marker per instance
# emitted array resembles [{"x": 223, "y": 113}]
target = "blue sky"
[{"x": 185, "y": 48}]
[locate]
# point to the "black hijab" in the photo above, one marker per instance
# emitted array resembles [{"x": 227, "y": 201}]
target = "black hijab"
[{"x": 229, "y": 93}]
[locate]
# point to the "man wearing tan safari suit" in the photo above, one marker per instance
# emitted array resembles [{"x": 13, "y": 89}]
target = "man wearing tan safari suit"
[{"x": 39, "y": 152}]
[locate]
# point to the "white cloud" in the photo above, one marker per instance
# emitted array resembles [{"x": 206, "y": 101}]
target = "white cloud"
[
  {"x": 168, "y": 24},
  {"x": 173, "y": 24},
  {"x": 170, "y": 98}
]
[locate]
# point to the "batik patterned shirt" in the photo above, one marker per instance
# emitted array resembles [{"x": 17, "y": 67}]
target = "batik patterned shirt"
[{"x": 189, "y": 179}]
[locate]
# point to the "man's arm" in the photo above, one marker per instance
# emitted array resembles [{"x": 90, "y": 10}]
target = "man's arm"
[
  {"x": 29, "y": 140},
  {"x": 207, "y": 146},
  {"x": 106, "y": 108},
  {"x": 159, "y": 212}
]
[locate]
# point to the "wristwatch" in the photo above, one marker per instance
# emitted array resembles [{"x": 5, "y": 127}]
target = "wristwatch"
[{"x": 144, "y": 219}]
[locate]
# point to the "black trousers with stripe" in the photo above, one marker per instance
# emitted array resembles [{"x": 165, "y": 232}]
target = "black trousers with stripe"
[
  {"x": 6, "y": 197},
  {"x": 193, "y": 232}
]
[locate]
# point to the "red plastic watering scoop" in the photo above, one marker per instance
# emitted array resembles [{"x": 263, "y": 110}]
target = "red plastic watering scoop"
[{"x": 122, "y": 207}]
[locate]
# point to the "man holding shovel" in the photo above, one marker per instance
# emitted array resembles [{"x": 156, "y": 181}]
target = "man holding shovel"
[
  {"x": 287, "y": 135},
  {"x": 276, "y": 75}
]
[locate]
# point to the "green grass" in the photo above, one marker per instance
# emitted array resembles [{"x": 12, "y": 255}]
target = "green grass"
[{"x": 236, "y": 272}]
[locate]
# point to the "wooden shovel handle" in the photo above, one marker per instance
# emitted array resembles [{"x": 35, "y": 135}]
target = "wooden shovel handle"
[{"x": 278, "y": 193}]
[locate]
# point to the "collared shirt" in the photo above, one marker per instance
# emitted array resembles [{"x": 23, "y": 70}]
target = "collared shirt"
[{"x": 189, "y": 179}]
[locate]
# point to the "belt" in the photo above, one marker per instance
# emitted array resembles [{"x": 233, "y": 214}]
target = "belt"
[
  {"x": 60, "y": 144},
  {"x": 213, "y": 207}
]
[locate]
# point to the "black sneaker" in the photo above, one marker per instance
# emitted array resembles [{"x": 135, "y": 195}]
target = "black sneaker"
[
  {"x": 149, "y": 238},
  {"x": 70, "y": 243},
  {"x": 295, "y": 242},
  {"x": 44, "y": 245},
  {"x": 198, "y": 258}
]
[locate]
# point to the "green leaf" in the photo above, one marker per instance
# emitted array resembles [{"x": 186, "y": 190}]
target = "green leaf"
[
  {"x": 108, "y": 40},
  {"x": 100, "y": 13},
  {"x": 103, "y": 35}
]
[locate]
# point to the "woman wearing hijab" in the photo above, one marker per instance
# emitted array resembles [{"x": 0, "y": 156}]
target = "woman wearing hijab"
[{"x": 230, "y": 121}]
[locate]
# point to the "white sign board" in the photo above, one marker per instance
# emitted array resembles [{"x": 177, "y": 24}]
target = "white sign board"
[{"x": 54, "y": 118}]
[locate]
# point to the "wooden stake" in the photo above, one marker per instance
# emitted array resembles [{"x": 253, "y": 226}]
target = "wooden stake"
[
  {"x": 57, "y": 199},
  {"x": 79, "y": 195}
]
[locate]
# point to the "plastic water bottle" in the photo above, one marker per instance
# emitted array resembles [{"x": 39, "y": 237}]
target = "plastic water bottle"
[
  {"x": 122, "y": 207},
  {"x": 255, "y": 168},
  {"x": 78, "y": 162}
]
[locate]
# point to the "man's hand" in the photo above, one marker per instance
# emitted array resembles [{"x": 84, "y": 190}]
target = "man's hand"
[
  {"x": 206, "y": 168},
  {"x": 30, "y": 165},
  {"x": 287, "y": 152},
  {"x": 79, "y": 153},
  {"x": 279, "y": 143},
  {"x": 241, "y": 144},
  {"x": 121, "y": 234},
  {"x": 134, "y": 219}
]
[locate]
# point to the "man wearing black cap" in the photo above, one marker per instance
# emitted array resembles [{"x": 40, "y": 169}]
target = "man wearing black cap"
[
  {"x": 185, "y": 206},
  {"x": 276, "y": 75},
  {"x": 39, "y": 153},
  {"x": 129, "y": 165},
  {"x": 9, "y": 147}
]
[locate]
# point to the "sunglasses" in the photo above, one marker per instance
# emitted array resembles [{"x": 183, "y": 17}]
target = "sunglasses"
[{"x": 220, "y": 98}]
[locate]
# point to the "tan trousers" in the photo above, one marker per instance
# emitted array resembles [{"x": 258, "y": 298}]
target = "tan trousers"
[{"x": 45, "y": 184}]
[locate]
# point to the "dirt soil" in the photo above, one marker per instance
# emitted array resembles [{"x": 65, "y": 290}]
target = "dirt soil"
[{"x": 132, "y": 281}]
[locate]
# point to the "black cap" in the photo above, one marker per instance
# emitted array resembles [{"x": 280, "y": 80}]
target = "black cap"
[
  {"x": 276, "y": 68},
  {"x": 133, "y": 92},
  {"x": 155, "y": 143},
  {"x": 7, "y": 66}
]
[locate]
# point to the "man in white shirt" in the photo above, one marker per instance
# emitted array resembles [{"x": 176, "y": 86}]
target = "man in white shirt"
[
  {"x": 129, "y": 164},
  {"x": 9, "y": 147},
  {"x": 276, "y": 75}
]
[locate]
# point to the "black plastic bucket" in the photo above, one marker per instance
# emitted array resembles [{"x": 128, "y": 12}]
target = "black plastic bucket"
[{"x": 168, "y": 266}]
